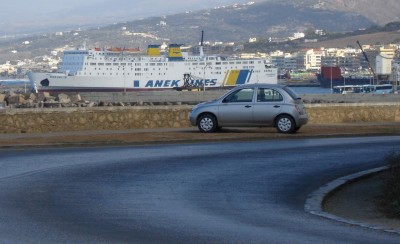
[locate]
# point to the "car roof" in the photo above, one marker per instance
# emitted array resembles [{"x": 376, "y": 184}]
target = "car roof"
[{"x": 261, "y": 85}]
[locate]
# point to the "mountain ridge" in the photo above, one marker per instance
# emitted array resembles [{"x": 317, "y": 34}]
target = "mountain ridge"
[{"x": 103, "y": 14}]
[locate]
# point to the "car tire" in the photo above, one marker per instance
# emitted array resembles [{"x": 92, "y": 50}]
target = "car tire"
[
  {"x": 285, "y": 124},
  {"x": 207, "y": 123}
]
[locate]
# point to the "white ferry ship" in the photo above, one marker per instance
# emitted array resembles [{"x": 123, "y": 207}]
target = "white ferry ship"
[{"x": 121, "y": 70}]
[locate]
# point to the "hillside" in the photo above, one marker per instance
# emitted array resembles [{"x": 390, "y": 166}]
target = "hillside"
[
  {"x": 237, "y": 23},
  {"x": 380, "y": 12},
  {"x": 351, "y": 41},
  {"x": 388, "y": 34}
]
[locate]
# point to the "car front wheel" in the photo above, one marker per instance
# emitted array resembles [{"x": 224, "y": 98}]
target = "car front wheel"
[
  {"x": 207, "y": 123},
  {"x": 285, "y": 124}
]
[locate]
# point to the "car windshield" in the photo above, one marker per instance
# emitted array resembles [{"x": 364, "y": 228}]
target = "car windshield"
[{"x": 292, "y": 93}]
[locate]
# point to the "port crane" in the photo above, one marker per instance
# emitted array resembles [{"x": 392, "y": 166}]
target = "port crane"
[{"x": 368, "y": 62}]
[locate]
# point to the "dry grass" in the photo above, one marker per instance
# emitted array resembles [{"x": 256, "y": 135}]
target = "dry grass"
[{"x": 184, "y": 135}]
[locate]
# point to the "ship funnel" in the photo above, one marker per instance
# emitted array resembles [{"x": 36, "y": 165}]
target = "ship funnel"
[
  {"x": 174, "y": 52},
  {"x": 201, "y": 44},
  {"x": 153, "y": 50}
]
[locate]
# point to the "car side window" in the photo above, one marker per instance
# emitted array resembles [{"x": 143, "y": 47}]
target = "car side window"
[
  {"x": 240, "y": 96},
  {"x": 268, "y": 95}
]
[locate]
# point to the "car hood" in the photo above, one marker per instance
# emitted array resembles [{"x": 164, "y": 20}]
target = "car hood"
[{"x": 206, "y": 103}]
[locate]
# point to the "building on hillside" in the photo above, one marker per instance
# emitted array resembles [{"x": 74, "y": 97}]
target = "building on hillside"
[
  {"x": 313, "y": 59},
  {"x": 278, "y": 61},
  {"x": 290, "y": 62},
  {"x": 253, "y": 55},
  {"x": 252, "y": 39},
  {"x": 320, "y": 32},
  {"x": 395, "y": 75},
  {"x": 349, "y": 61},
  {"x": 298, "y": 35},
  {"x": 383, "y": 62}
]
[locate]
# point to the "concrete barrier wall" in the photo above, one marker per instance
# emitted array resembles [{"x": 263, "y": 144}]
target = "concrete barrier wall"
[
  {"x": 104, "y": 118},
  {"x": 118, "y": 118},
  {"x": 353, "y": 113}
]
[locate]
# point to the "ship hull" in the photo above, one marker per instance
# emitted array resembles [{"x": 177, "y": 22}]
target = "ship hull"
[
  {"x": 64, "y": 82},
  {"x": 330, "y": 83},
  {"x": 102, "y": 70}
]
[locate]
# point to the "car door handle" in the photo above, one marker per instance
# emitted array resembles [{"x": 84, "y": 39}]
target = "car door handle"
[
  {"x": 247, "y": 106},
  {"x": 277, "y": 106}
]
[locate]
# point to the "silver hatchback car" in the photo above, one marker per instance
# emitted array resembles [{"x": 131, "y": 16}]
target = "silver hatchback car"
[{"x": 252, "y": 105}]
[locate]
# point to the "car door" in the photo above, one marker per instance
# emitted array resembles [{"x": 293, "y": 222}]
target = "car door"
[
  {"x": 267, "y": 106},
  {"x": 236, "y": 109}
]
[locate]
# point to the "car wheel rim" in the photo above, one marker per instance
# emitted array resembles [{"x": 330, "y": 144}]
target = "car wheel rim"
[
  {"x": 206, "y": 124},
  {"x": 284, "y": 124}
]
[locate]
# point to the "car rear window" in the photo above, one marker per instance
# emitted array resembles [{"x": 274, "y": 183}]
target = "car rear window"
[{"x": 292, "y": 93}]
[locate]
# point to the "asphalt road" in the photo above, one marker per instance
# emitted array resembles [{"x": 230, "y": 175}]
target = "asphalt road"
[{"x": 241, "y": 192}]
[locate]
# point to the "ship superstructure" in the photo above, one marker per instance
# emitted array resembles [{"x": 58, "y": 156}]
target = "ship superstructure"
[{"x": 120, "y": 69}]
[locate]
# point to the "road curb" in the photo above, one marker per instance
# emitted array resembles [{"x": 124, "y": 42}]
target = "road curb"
[{"x": 316, "y": 199}]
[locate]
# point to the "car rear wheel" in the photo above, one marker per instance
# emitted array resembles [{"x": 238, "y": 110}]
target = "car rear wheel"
[
  {"x": 207, "y": 123},
  {"x": 285, "y": 124}
]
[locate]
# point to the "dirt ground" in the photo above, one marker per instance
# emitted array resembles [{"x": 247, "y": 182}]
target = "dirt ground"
[
  {"x": 356, "y": 201},
  {"x": 188, "y": 135}
]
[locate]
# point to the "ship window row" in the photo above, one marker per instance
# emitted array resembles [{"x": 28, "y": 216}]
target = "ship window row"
[
  {"x": 226, "y": 68},
  {"x": 115, "y": 74},
  {"x": 219, "y": 63},
  {"x": 76, "y": 52},
  {"x": 195, "y": 68},
  {"x": 136, "y": 69},
  {"x": 111, "y": 74},
  {"x": 71, "y": 63},
  {"x": 157, "y": 64},
  {"x": 107, "y": 64},
  {"x": 73, "y": 58},
  {"x": 58, "y": 77}
]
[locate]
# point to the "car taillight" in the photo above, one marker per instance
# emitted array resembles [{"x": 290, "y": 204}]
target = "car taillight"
[{"x": 300, "y": 109}]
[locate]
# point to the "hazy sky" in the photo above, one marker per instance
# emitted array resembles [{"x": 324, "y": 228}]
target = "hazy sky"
[{"x": 21, "y": 15}]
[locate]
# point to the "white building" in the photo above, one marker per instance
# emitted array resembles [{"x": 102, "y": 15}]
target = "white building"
[
  {"x": 298, "y": 35},
  {"x": 313, "y": 59},
  {"x": 252, "y": 39},
  {"x": 384, "y": 64}
]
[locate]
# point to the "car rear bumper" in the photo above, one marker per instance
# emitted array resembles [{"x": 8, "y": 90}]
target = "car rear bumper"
[{"x": 302, "y": 120}]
